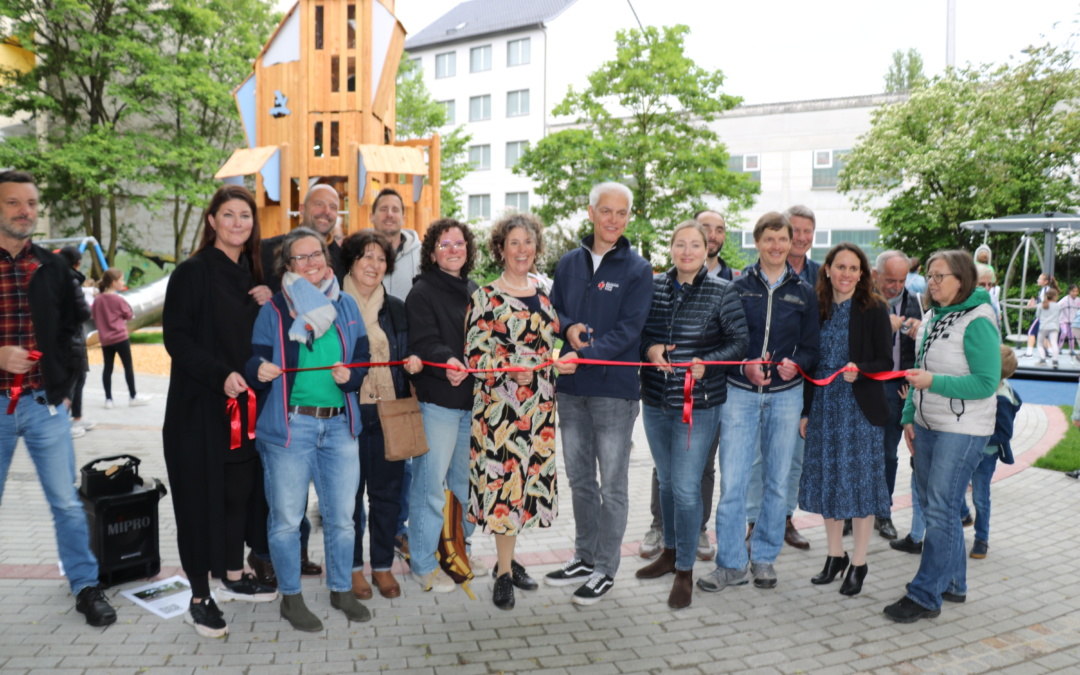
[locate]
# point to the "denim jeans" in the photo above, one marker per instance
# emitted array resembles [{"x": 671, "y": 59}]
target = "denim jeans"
[
  {"x": 403, "y": 503},
  {"x": 944, "y": 464},
  {"x": 708, "y": 487},
  {"x": 596, "y": 433},
  {"x": 680, "y": 453},
  {"x": 322, "y": 451},
  {"x": 381, "y": 480},
  {"x": 894, "y": 432},
  {"x": 747, "y": 419},
  {"x": 46, "y": 431},
  {"x": 757, "y": 484},
  {"x": 444, "y": 465},
  {"x": 918, "y": 522},
  {"x": 980, "y": 494}
]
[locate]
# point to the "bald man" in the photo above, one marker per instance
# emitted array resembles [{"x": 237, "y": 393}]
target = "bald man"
[{"x": 320, "y": 213}]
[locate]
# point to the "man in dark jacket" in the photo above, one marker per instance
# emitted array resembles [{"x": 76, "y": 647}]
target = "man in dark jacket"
[
  {"x": 905, "y": 312},
  {"x": 37, "y": 314},
  {"x": 602, "y": 292},
  {"x": 764, "y": 403}
]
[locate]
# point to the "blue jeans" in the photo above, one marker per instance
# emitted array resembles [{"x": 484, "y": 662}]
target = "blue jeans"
[
  {"x": 680, "y": 455},
  {"x": 894, "y": 432},
  {"x": 322, "y": 451},
  {"x": 382, "y": 481},
  {"x": 444, "y": 465},
  {"x": 944, "y": 464},
  {"x": 47, "y": 433},
  {"x": 918, "y": 522},
  {"x": 406, "y": 488},
  {"x": 757, "y": 484},
  {"x": 747, "y": 419},
  {"x": 596, "y": 433},
  {"x": 980, "y": 494}
]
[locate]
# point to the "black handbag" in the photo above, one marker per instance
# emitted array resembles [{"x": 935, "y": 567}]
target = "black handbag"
[{"x": 118, "y": 475}]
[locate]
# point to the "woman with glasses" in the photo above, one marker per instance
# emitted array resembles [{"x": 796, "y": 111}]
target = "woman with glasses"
[
  {"x": 309, "y": 420},
  {"x": 436, "y": 309},
  {"x": 948, "y": 418}
]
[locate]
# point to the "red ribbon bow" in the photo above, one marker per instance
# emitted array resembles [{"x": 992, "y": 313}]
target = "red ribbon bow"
[
  {"x": 17, "y": 387},
  {"x": 233, "y": 408}
]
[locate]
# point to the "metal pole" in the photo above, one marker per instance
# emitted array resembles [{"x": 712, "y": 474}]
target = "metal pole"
[{"x": 1049, "y": 241}]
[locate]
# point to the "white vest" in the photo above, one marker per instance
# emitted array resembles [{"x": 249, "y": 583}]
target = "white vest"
[{"x": 944, "y": 355}]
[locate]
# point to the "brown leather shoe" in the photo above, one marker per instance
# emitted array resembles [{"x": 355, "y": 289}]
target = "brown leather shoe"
[
  {"x": 263, "y": 569},
  {"x": 664, "y": 564},
  {"x": 682, "y": 591},
  {"x": 308, "y": 568},
  {"x": 793, "y": 538},
  {"x": 360, "y": 586},
  {"x": 386, "y": 583}
]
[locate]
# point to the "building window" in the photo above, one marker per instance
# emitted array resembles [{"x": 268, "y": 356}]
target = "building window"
[
  {"x": 514, "y": 151},
  {"x": 519, "y": 201},
  {"x": 480, "y": 59},
  {"x": 822, "y": 239},
  {"x": 335, "y": 79},
  {"x": 747, "y": 164},
  {"x": 318, "y": 26},
  {"x": 827, "y": 167},
  {"x": 748, "y": 239},
  {"x": 517, "y": 103},
  {"x": 479, "y": 108},
  {"x": 517, "y": 52},
  {"x": 350, "y": 76},
  {"x": 446, "y": 64},
  {"x": 451, "y": 111},
  {"x": 479, "y": 207},
  {"x": 480, "y": 157},
  {"x": 317, "y": 140}
]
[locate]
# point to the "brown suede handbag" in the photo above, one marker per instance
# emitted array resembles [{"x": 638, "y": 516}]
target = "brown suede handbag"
[{"x": 403, "y": 427}]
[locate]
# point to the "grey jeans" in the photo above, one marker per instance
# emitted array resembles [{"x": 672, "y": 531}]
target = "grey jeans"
[{"x": 596, "y": 434}]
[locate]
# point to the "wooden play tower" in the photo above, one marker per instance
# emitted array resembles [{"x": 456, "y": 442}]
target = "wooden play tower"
[{"x": 320, "y": 108}]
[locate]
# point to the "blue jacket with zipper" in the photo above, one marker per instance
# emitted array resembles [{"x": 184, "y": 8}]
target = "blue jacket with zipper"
[
  {"x": 270, "y": 342},
  {"x": 782, "y": 322},
  {"x": 613, "y": 301},
  {"x": 703, "y": 319}
]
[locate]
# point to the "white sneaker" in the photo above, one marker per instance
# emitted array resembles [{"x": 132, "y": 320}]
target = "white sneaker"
[
  {"x": 477, "y": 566},
  {"x": 108, "y": 404},
  {"x": 436, "y": 581},
  {"x": 705, "y": 548},
  {"x": 139, "y": 399},
  {"x": 77, "y": 431},
  {"x": 84, "y": 423}
]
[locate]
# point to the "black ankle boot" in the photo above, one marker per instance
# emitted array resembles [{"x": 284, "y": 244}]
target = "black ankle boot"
[
  {"x": 834, "y": 565},
  {"x": 853, "y": 581},
  {"x": 504, "y": 592}
]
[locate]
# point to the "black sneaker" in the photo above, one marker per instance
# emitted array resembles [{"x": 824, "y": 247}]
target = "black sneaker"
[
  {"x": 571, "y": 573},
  {"x": 246, "y": 588},
  {"x": 594, "y": 589},
  {"x": 207, "y": 619},
  {"x": 907, "y": 545},
  {"x": 518, "y": 576},
  {"x": 91, "y": 601}
]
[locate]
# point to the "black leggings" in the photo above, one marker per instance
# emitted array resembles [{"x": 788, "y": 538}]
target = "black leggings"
[
  {"x": 241, "y": 495},
  {"x": 108, "y": 352}
]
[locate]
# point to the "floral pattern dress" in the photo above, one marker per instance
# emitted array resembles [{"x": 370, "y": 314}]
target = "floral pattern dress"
[{"x": 512, "y": 458}]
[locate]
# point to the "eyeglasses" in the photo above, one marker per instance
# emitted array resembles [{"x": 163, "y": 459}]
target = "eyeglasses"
[
  {"x": 937, "y": 278},
  {"x": 310, "y": 257},
  {"x": 444, "y": 245}
]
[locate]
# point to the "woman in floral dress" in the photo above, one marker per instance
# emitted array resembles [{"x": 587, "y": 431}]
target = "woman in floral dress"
[{"x": 512, "y": 474}]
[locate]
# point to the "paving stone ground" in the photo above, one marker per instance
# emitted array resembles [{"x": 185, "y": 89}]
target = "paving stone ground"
[{"x": 1022, "y": 614}]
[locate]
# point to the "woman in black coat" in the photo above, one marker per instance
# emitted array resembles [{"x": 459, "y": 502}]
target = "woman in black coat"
[
  {"x": 844, "y": 463},
  {"x": 210, "y": 309}
]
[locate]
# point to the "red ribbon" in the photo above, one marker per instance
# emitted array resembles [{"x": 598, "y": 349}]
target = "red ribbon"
[
  {"x": 232, "y": 407},
  {"x": 688, "y": 405},
  {"x": 17, "y": 386}
]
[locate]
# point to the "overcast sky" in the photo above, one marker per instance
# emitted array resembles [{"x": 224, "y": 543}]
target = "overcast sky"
[{"x": 783, "y": 50}]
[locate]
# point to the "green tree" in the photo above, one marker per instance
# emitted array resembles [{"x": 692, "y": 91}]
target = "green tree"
[
  {"x": 419, "y": 116},
  {"x": 980, "y": 142},
  {"x": 88, "y": 90},
  {"x": 906, "y": 71},
  {"x": 643, "y": 120},
  {"x": 214, "y": 43}
]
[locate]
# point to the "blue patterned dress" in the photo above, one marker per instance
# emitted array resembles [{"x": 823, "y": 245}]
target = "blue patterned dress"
[{"x": 844, "y": 462}]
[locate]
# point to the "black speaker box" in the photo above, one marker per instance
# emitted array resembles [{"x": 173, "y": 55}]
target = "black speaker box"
[{"x": 124, "y": 533}]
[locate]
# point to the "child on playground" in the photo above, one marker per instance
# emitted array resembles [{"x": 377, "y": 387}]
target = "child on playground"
[
  {"x": 1049, "y": 314},
  {"x": 1069, "y": 315},
  {"x": 111, "y": 313}
]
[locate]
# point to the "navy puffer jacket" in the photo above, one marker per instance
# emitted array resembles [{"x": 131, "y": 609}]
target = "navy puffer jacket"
[{"x": 702, "y": 319}]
